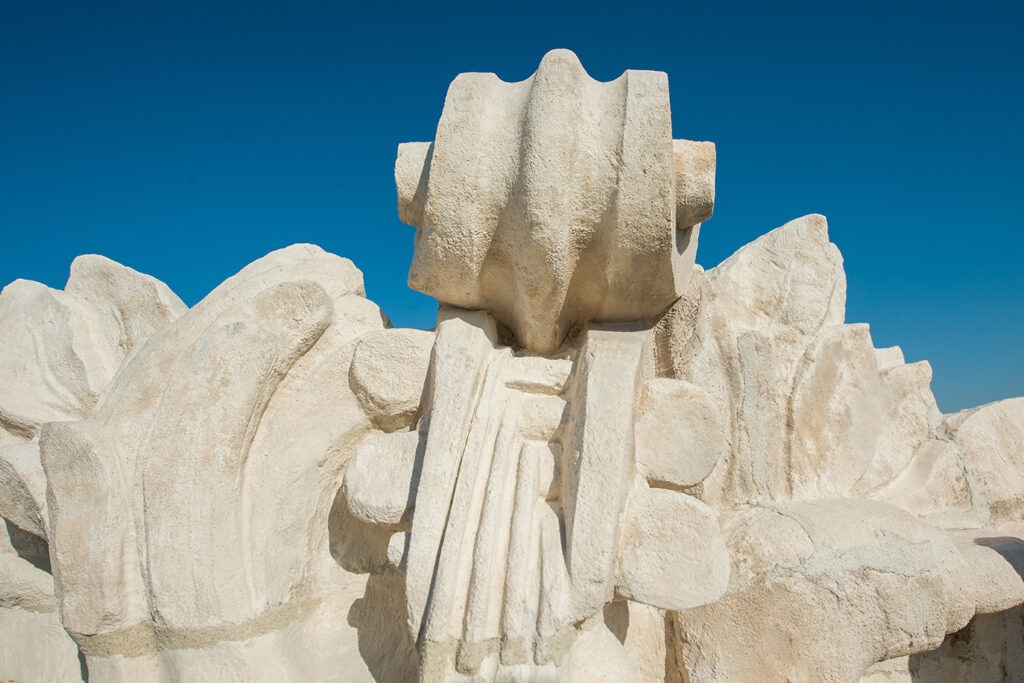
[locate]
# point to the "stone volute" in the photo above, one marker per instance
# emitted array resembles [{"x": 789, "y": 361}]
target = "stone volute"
[{"x": 555, "y": 201}]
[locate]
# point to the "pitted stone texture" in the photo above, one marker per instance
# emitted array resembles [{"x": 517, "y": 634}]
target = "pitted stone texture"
[
  {"x": 672, "y": 553},
  {"x": 227, "y": 434},
  {"x": 381, "y": 477},
  {"x": 859, "y": 583},
  {"x": 992, "y": 437},
  {"x": 61, "y": 348},
  {"x": 388, "y": 372},
  {"x": 679, "y": 436},
  {"x": 555, "y": 201}
]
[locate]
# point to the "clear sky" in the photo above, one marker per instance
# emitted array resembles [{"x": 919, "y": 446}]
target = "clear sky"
[{"x": 186, "y": 139}]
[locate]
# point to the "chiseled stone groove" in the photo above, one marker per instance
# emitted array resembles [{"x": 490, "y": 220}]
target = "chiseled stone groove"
[{"x": 148, "y": 638}]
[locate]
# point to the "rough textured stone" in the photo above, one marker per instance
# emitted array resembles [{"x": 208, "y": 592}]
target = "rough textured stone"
[
  {"x": 679, "y": 437},
  {"x": 672, "y": 554},
  {"x": 389, "y": 369},
  {"x": 195, "y": 442},
  {"x": 604, "y": 464},
  {"x": 992, "y": 437},
  {"x": 876, "y": 584},
  {"x": 61, "y": 348},
  {"x": 381, "y": 477},
  {"x": 615, "y": 243}
]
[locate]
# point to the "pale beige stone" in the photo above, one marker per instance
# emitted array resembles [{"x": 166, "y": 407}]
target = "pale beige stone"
[
  {"x": 937, "y": 485},
  {"x": 896, "y": 670},
  {"x": 641, "y": 630},
  {"x": 747, "y": 531},
  {"x": 679, "y": 435},
  {"x": 33, "y": 643},
  {"x": 61, "y": 348},
  {"x": 24, "y": 585},
  {"x": 789, "y": 281},
  {"x": 388, "y": 373},
  {"x": 35, "y": 647},
  {"x": 380, "y": 479},
  {"x": 878, "y": 585},
  {"x": 492, "y": 235},
  {"x": 694, "y": 166},
  {"x": 912, "y": 420},
  {"x": 604, "y": 464},
  {"x": 598, "y": 449},
  {"x": 23, "y": 488},
  {"x": 740, "y": 332},
  {"x": 890, "y": 357},
  {"x": 224, "y": 448},
  {"x": 990, "y": 648},
  {"x": 599, "y": 657},
  {"x": 995, "y": 557},
  {"x": 460, "y": 383},
  {"x": 538, "y": 375},
  {"x": 839, "y": 409},
  {"x": 992, "y": 437},
  {"x": 672, "y": 553}
]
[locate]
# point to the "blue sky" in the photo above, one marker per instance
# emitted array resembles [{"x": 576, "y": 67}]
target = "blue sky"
[{"x": 187, "y": 139}]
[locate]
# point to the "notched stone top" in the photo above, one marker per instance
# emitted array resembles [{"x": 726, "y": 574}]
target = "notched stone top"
[{"x": 555, "y": 201}]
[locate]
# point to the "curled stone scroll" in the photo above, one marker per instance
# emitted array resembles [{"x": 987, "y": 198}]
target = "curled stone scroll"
[{"x": 604, "y": 463}]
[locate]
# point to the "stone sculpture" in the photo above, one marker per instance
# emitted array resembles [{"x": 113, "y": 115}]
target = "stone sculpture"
[{"x": 604, "y": 463}]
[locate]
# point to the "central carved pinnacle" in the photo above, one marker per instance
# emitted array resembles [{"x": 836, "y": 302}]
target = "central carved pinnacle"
[{"x": 555, "y": 201}]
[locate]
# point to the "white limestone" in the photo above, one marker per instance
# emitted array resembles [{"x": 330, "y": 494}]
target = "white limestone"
[
  {"x": 673, "y": 555},
  {"x": 605, "y": 463},
  {"x": 61, "y": 348},
  {"x": 391, "y": 397},
  {"x": 615, "y": 242},
  {"x": 992, "y": 438},
  {"x": 381, "y": 477},
  {"x": 678, "y": 432},
  {"x": 873, "y": 584}
]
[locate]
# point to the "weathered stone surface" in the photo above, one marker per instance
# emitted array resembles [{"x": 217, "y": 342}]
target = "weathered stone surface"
[
  {"x": 214, "y": 437},
  {"x": 992, "y": 438},
  {"x": 939, "y": 486},
  {"x": 746, "y": 531},
  {"x": 388, "y": 373},
  {"x": 604, "y": 464},
  {"x": 459, "y": 374},
  {"x": 873, "y": 584},
  {"x": 672, "y": 554},
  {"x": 381, "y": 478},
  {"x": 36, "y": 648},
  {"x": 615, "y": 243},
  {"x": 996, "y": 560},
  {"x": 33, "y": 643},
  {"x": 23, "y": 488},
  {"x": 838, "y": 410},
  {"x": 598, "y": 463},
  {"x": 642, "y": 631},
  {"x": 990, "y": 648},
  {"x": 679, "y": 435},
  {"x": 61, "y": 348},
  {"x": 789, "y": 283},
  {"x": 740, "y": 333}
]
